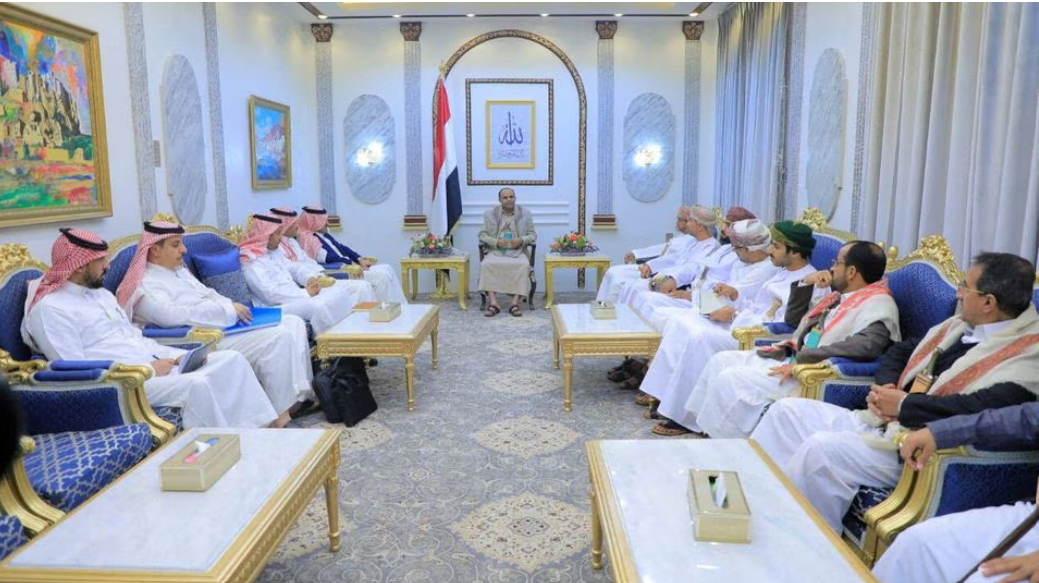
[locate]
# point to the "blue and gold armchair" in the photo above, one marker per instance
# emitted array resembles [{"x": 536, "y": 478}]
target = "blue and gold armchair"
[
  {"x": 90, "y": 420},
  {"x": 924, "y": 286}
]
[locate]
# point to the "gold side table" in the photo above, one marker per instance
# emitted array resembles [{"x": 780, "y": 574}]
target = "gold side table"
[
  {"x": 410, "y": 266},
  {"x": 557, "y": 261}
]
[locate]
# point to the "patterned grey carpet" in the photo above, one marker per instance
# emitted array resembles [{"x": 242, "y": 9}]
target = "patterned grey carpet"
[{"x": 486, "y": 481}]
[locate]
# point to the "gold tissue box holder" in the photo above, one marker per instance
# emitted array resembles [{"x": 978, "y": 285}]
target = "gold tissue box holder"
[
  {"x": 728, "y": 523},
  {"x": 384, "y": 312},
  {"x": 604, "y": 310},
  {"x": 208, "y": 467}
]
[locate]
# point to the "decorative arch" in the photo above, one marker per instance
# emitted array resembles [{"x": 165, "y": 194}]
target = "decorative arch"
[{"x": 582, "y": 124}]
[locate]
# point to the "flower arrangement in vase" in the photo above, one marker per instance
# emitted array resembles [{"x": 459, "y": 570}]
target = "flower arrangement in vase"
[
  {"x": 573, "y": 243},
  {"x": 431, "y": 246}
]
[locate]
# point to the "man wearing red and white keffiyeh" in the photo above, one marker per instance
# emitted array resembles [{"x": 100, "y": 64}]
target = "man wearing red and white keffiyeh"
[
  {"x": 70, "y": 315},
  {"x": 158, "y": 289},
  {"x": 274, "y": 281},
  {"x": 310, "y": 238}
]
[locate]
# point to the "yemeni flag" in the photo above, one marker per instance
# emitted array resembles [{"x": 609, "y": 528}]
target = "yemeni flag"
[{"x": 447, "y": 194}]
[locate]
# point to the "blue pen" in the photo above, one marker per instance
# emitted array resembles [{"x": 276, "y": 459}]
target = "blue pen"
[{"x": 191, "y": 457}]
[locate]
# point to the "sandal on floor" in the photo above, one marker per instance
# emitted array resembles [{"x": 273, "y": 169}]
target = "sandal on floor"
[
  {"x": 515, "y": 310},
  {"x": 631, "y": 384},
  {"x": 303, "y": 408},
  {"x": 645, "y": 400},
  {"x": 492, "y": 311},
  {"x": 669, "y": 428},
  {"x": 618, "y": 376},
  {"x": 652, "y": 414},
  {"x": 623, "y": 366}
]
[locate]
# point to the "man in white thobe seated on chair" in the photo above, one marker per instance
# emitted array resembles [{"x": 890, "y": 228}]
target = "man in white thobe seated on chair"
[
  {"x": 158, "y": 289},
  {"x": 618, "y": 276},
  {"x": 683, "y": 266},
  {"x": 691, "y": 338},
  {"x": 70, "y": 315},
  {"x": 303, "y": 267},
  {"x": 675, "y": 290},
  {"x": 322, "y": 247},
  {"x": 508, "y": 231},
  {"x": 857, "y": 320},
  {"x": 268, "y": 273},
  {"x": 989, "y": 358}
]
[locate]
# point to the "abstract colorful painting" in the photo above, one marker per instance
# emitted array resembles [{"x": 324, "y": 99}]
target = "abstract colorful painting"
[
  {"x": 270, "y": 140},
  {"x": 53, "y": 154}
]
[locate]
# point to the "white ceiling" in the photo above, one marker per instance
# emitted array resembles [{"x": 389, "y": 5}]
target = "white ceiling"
[{"x": 447, "y": 9}]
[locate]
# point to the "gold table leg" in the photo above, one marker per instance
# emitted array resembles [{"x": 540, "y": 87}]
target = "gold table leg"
[
  {"x": 433, "y": 338},
  {"x": 404, "y": 280},
  {"x": 555, "y": 347},
  {"x": 332, "y": 501},
  {"x": 463, "y": 284},
  {"x": 600, "y": 272},
  {"x": 414, "y": 283},
  {"x": 548, "y": 285},
  {"x": 568, "y": 379},
  {"x": 409, "y": 377},
  {"x": 596, "y": 531}
]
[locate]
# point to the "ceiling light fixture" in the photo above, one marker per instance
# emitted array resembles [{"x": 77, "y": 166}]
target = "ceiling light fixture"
[
  {"x": 544, "y": 14},
  {"x": 396, "y": 15},
  {"x": 322, "y": 16},
  {"x": 470, "y": 15},
  {"x": 618, "y": 15},
  {"x": 694, "y": 14}
]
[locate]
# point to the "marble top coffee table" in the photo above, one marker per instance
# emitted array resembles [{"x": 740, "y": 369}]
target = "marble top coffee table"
[
  {"x": 132, "y": 531},
  {"x": 576, "y": 333},
  {"x": 640, "y": 504},
  {"x": 400, "y": 337}
]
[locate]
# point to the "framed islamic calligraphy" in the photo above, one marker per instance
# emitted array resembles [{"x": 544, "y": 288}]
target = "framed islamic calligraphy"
[{"x": 509, "y": 131}]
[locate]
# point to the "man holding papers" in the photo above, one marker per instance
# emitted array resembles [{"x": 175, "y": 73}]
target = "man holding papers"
[
  {"x": 70, "y": 315},
  {"x": 158, "y": 289}
]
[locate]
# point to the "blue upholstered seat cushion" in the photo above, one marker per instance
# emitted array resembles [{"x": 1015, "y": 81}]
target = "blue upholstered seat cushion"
[
  {"x": 173, "y": 415},
  {"x": 222, "y": 271},
  {"x": 13, "y": 292},
  {"x": 67, "y": 468},
  {"x": 855, "y": 520},
  {"x": 11, "y": 535}
]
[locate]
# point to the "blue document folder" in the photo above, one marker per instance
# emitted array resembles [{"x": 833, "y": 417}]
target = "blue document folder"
[{"x": 262, "y": 318}]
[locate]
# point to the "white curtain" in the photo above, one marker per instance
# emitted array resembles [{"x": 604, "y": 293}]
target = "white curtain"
[
  {"x": 752, "y": 48},
  {"x": 954, "y": 141}
]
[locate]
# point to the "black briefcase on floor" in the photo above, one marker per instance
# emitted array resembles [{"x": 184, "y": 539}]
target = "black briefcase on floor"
[{"x": 343, "y": 391}]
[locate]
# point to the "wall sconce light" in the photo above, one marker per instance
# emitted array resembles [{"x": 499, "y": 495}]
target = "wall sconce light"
[
  {"x": 648, "y": 155},
  {"x": 370, "y": 155}
]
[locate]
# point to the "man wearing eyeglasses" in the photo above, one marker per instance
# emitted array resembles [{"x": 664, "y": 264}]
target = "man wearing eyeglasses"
[{"x": 989, "y": 358}]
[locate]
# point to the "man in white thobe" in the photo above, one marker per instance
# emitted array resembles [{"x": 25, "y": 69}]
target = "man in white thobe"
[
  {"x": 321, "y": 246},
  {"x": 69, "y": 315},
  {"x": 157, "y": 289},
  {"x": 268, "y": 273},
  {"x": 618, "y": 276},
  {"x": 857, "y": 320},
  {"x": 303, "y": 267},
  {"x": 690, "y": 339},
  {"x": 990, "y": 355}
]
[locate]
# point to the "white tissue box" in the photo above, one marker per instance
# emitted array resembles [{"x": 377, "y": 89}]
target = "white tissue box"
[
  {"x": 729, "y": 523},
  {"x": 384, "y": 312},
  {"x": 604, "y": 310},
  {"x": 202, "y": 473}
]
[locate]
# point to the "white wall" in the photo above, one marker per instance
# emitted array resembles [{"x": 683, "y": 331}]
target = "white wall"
[
  {"x": 265, "y": 52},
  {"x": 837, "y": 26},
  {"x": 368, "y": 57}
]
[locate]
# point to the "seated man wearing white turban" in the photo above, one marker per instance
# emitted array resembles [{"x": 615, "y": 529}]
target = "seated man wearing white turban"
[
  {"x": 158, "y": 289},
  {"x": 70, "y": 315},
  {"x": 268, "y": 273},
  {"x": 508, "y": 231},
  {"x": 321, "y": 246}
]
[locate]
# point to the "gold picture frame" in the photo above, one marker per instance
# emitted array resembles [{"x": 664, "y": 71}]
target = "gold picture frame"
[
  {"x": 53, "y": 147},
  {"x": 534, "y": 100},
  {"x": 270, "y": 144},
  {"x": 511, "y": 142}
]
